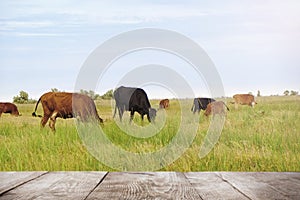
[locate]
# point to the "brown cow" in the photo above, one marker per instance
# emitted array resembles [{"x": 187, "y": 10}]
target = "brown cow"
[
  {"x": 216, "y": 107},
  {"x": 66, "y": 105},
  {"x": 244, "y": 99},
  {"x": 165, "y": 103},
  {"x": 9, "y": 108}
]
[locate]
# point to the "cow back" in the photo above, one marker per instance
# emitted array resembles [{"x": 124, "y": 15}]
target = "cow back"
[
  {"x": 244, "y": 99},
  {"x": 203, "y": 102},
  {"x": 69, "y": 105},
  {"x": 9, "y": 108},
  {"x": 131, "y": 97}
]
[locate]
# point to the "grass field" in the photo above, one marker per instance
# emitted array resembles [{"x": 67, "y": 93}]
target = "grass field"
[{"x": 266, "y": 138}]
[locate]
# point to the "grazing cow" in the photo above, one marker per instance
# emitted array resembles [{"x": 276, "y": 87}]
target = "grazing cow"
[
  {"x": 165, "y": 103},
  {"x": 66, "y": 105},
  {"x": 216, "y": 107},
  {"x": 133, "y": 100},
  {"x": 201, "y": 104},
  {"x": 244, "y": 99},
  {"x": 9, "y": 108}
]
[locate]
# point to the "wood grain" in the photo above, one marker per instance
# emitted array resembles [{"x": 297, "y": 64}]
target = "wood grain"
[
  {"x": 145, "y": 185},
  {"x": 251, "y": 186},
  {"x": 210, "y": 186},
  {"x": 57, "y": 185},
  {"x": 149, "y": 185},
  {"x": 286, "y": 183},
  {"x": 10, "y": 180}
]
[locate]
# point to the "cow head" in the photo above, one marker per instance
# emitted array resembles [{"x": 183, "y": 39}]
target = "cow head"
[
  {"x": 16, "y": 114},
  {"x": 152, "y": 114},
  {"x": 253, "y": 104}
]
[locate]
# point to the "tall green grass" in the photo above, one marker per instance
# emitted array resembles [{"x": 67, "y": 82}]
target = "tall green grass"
[{"x": 265, "y": 138}]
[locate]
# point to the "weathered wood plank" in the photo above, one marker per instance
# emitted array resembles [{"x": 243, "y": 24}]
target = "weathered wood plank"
[
  {"x": 57, "y": 185},
  {"x": 286, "y": 183},
  {"x": 144, "y": 185},
  {"x": 149, "y": 185},
  {"x": 249, "y": 184},
  {"x": 10, "y": 180},
  {"x": 211, "y": 186}
]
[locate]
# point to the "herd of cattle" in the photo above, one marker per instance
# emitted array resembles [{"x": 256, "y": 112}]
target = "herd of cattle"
[{"x": 73, "y": 105}]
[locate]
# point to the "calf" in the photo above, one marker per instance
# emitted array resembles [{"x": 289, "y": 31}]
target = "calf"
[
  {"x": 216, "y": 107},
  {"x": 9, "y": 108},
  {"x": 165, "y": 103},
  {"x": 244, "y": 99}
]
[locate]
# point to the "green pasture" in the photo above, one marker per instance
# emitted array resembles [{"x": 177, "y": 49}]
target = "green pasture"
[{"x": 266, "y": 138}]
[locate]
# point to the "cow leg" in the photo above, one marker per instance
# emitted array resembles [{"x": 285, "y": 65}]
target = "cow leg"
[
  {"x": 197, "y": 108},
  {"x": 121, "y": 110},
  {"x": 148, "y": 117},
  {"x": 131, "y": 115},
  {"x": 52, "y": 121},
  {"x": 115, "y": 111},
  {"x": 194, "y": 109},
  {"x": 142, "y": 118},
  {"x": 44, "y": 120}
]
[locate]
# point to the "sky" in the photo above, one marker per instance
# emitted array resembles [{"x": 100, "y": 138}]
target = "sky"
[{"x": 254, "y": 45}]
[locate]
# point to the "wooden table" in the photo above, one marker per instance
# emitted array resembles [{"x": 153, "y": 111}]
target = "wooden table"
[{"x": 149, "y": 185}]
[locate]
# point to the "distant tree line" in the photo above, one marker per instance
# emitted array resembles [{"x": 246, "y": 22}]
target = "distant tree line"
[
  {"x": 285, "y": 93},
  {"x": 92, "y": 94},
  {"x": 23, "y": 98},
  {"x": 291, "y": 93}
]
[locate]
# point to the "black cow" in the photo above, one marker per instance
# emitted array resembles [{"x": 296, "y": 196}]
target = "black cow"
[
  {"x": 200, "y": 104},
  {"x": 133, "y": 100}
]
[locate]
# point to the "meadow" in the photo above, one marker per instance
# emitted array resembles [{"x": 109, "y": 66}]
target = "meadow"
[{"x": 266, "y": 138}]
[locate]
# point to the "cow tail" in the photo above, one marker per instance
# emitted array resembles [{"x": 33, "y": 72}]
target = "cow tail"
[
  {"x": 115, "y": 111},
  {"x": 226, "y": 106},
  {"x": 34, "y": 112}
]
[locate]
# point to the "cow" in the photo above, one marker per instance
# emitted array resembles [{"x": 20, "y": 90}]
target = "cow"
[
  {"x": 243, "y": 99},
  {"x": 9, "y": 108},
  {"x": 66, "y": 105},
  {"x": 216, "y": 107},
  {"x": 133, "y": 100},
  {"x": 165, "y": 103},
  {"x": 201, "y": 104}
]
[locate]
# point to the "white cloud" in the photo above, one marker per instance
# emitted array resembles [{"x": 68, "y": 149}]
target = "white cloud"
[
  {"x": 12, "y": 25},
  {"x": 37, "y": 34},
  {"x": 95, "y": 13},
  {"x": 37, "y": 19}
]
